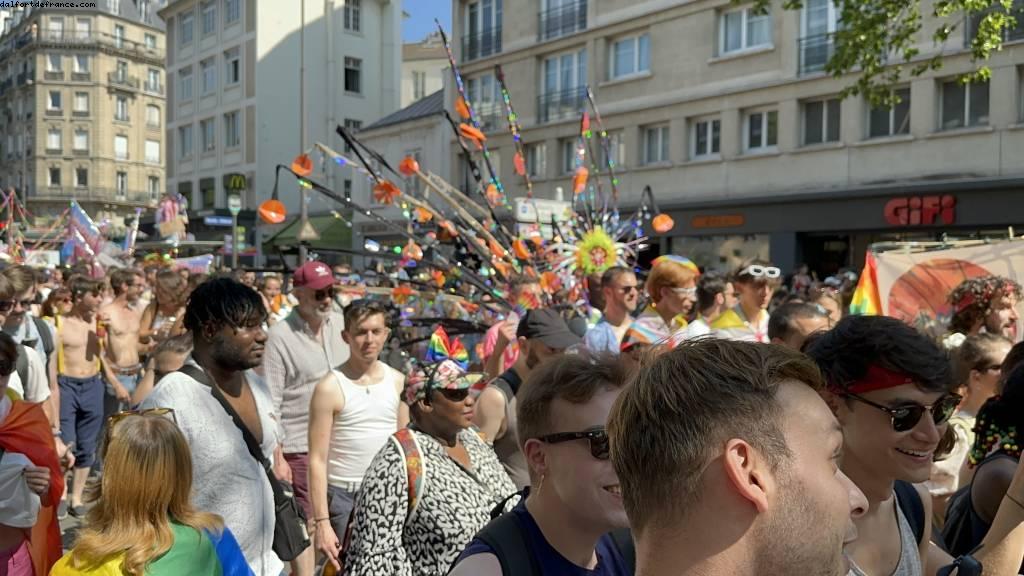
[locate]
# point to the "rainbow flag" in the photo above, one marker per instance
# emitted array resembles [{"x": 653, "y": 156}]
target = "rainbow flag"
[{"x": 866, "y": 301}]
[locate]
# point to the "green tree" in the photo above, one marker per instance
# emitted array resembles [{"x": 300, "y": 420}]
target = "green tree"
[{"x": 876, "y": 39}]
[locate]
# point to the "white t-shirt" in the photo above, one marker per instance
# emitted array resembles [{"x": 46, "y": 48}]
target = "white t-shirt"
[
  {"x": 37, "y": 389},
  {"x": 227, "y": 480}
]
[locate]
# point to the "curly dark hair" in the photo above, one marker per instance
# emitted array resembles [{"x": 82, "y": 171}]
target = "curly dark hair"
[
  {"x": 223, "y": 302},
  {"x": 972, "y": 299},
  {"x": 845, "y": 353},
  {"x": 999, "y": 420}
]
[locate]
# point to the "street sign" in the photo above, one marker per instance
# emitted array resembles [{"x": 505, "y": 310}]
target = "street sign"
[
  {"x": 234, "y": 204},
  {"x": 217, "y": 220}
]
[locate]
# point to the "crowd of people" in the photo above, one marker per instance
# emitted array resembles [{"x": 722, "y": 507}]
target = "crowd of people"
[{"x": 675, "y": 421}]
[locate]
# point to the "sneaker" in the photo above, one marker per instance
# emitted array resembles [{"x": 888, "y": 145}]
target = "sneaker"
[
  {"x": 78, "y": 511},
  {"x": 62, "y": 510}
]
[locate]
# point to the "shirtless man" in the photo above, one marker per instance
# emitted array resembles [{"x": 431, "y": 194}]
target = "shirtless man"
[
  {"x": 122, "y": 319},
  {"x": 80, "y": 372}
]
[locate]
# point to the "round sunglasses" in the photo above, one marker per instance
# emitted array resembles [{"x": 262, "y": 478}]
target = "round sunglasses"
[
  {"x": 905, "y": 418},
  {"x": 597, "y": 438}
]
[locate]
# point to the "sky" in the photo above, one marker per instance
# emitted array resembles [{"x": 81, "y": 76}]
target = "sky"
[{"x": 421, "y": 18}]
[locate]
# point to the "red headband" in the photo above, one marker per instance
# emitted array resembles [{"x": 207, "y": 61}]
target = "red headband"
[{"x": 879, "y": 378}]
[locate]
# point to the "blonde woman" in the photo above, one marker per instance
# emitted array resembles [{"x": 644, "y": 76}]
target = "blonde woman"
[
  {"x": 163, "y": 318},
  {"x": 143, "y": 522}
]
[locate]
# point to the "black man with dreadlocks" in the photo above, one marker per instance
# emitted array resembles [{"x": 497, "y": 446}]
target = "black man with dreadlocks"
[
  {"x": 432, "y": 486},
  {"x": 225, "y": 318},
  {"x": 983, "y": 304}
]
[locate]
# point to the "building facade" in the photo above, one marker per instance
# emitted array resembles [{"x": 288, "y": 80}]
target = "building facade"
[
  {"x": 729, "y": 117},
  {"x": 82, "y": 96},
  {"x": 423, "y": 68},
  {"x": 224, "y": 56}
]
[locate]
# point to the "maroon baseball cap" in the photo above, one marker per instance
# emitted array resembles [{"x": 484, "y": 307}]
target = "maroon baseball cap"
[{"x": 314, "y": 275}]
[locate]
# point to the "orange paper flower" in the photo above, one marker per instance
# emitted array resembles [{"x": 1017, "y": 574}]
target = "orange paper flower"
[
  {"x": 412, "y": 251},
  {"x": 461, "y": 108},
  {"x": 438, "y": 278},
  {"x": 662, "y": 223},
  {"x": 385, "y": 192},
  {"x": 502, "y": 268},
  {"x": 492, "y": 194},
  {"x": 448, "y": 230},
  {"x": 519, "y": 164},
  {"x": 402, "y": 294},
  {"x": 473, "y": 134},
  {"x": 550, "y": 282},
  {"x": 408, "y": 166},
  {"x": 521, "y": 250},
  {"x": 497, "y": 250},
  {"x": 272, "y": 211},
  {"x": 302, "y": 165},
  {"x": 423, "y": 215},
  {"x": 579, "y": 181}
]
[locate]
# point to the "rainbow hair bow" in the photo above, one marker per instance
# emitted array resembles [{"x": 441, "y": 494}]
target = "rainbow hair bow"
[
  {"x": 442, "y": 348},
  {"x": 681, "y": 260}
]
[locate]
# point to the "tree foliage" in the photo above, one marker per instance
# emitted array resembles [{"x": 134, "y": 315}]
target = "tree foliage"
[{"x": 878, "y": 40}]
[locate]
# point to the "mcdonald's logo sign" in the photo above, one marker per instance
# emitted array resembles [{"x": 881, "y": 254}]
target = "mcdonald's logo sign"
[{"x": 235, "y": 182}]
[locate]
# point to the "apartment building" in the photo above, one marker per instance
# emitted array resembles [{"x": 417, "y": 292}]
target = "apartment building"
[
  {"x": 729, "y": 117},
  {"x": 225, "y": 56},
  {"x": 424, "y": 65},
  {"x": 82, "y": 100}
]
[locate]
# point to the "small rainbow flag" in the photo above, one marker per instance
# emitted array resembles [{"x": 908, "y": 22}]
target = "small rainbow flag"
[
  {"x": 866, "y": 301},
  {"x": 681, "y": 260},
  {"x": 441, "y": 349}
]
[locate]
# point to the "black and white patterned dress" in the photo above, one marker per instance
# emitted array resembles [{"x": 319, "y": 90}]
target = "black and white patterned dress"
[{"x": 454, "y": 505}]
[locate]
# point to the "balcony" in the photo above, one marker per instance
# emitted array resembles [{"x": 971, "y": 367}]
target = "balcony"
[
  {"x": 79, "y": 152},
  {"x": 81, "y": 76},
  {"x": 481, "y": 45},
  {"x": 25, "y": 77},
  {"x": 491, "y": 118},
  {"x": 54, "y": 152},
  {"x": 121, "y": 80},
  {"x": 55, "y": 112},
  {"x": 53, "y": 75},
  {"x": 79, "y": 113},
  {"x": 561, "y": 105},
  {"x": 814, "y": 53},
  {"x": 92, "y": 194},
  {"x": 122, "y": 118},
  {"x": 70, "y": 40},
  {"x": 153, "y": 87},
  {"x": 569, "y": 18}
]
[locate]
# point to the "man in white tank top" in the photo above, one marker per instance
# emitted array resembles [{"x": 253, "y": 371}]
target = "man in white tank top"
[{"x": 354, "y": 409}]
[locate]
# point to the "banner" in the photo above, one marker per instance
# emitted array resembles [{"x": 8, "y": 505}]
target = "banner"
[
  {"x": 195, "y": 264},
  {"x": 914, "y": 287}
]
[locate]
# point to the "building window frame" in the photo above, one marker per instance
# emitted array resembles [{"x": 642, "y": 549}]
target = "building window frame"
[
  {"x": 185, "y": 82},
  {"x": 208, "y": 134},
  {"x": 639, "y": 46},
  {"x": 419, "y": 84},
  {"x": 232, "y": 66},
  {"x": 81, "y": 177},
  {"x": 152, "y": 152},
  {"x": 567, "y": 155},
  {"x": 830, "y": 122},
  {"x": 232, "y": 12},
  {"x": 151, "y": 121},
  {"x": 118, "y": 35},
  {"x": 186, "y": 28},
  {"x": 80, "y": 140},
  {"x": 121, "y": 184},
  {"x": 185, "y": 144},
  {"x": 536, "y": 159},
  {"x": 153, "y": 187},
  {"x": 121, "y": 108},
  {"x": 55, "y": 104},
  {"x": 353, "y": 75},
  {"x": 353, "y": 14},
  {"x": 705, "y": 137},
  {"x": 149, "y": 41},
  {"x": 54, "y": 62},
  {"x": 54, "y": 136},
  {"x": 208, "y": 73},
  {"x": 79, "y": 98},
  {"x": 81, "y": 64},
  {"x": 747, "y": 20},
  {"x": 656, "y": 148},
  {"x": 967, "y": 116},
  {"x": 768, "y": 119},
  {"x": 121, "y": 153},
  {"x": 891, "y": 116},
  {"x": 232, "y": 130},
  {"x": 208, "y": 17},
  {"x": 53, "y": 177}
]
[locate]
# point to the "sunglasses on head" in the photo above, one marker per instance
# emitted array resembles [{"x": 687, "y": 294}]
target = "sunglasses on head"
[
  {"x": 597, "y": 438},
  {"x": 905, "y": 418},
  {"x": 113, "y": 420},
  {"x": 758, "y": 271}
]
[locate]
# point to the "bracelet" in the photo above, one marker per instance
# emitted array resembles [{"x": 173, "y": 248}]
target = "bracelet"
[
  {"x": 1015, "y": 501},
  {"x": 319, "y": 520}
]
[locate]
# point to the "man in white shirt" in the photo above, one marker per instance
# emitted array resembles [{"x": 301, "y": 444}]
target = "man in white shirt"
[
  {"x": 29, "y": 378},
  {"x": 715, "y": 295},
  {"x": 226, "y": 319}
]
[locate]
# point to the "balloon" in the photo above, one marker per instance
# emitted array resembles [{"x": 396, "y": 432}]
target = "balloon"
[
  {"x": 272, "y": 211},
  {"x": 423, "y": 215},
  {"x": 662, "y": 223},
  {"x": 302, "y": 165}
]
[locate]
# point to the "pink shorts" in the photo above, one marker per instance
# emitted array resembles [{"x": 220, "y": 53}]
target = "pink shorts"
[{"x": 16, "y": 561}]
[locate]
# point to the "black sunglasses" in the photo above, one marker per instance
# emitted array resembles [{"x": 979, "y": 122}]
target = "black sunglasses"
[
  {"x": 905, "y": 418},
  {"x": 323, "y": 294},
  {"x": 454, "y": 395},
  {"x": 598, "y": 439}
]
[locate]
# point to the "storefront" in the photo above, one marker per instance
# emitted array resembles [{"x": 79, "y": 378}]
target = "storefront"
[{"x": 832, "y": 230}]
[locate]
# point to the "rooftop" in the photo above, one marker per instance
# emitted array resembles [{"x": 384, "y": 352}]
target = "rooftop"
[{"x": 426, "y": 106}]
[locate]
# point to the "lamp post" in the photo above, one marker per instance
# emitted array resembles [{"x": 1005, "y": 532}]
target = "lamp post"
[{"x": 303, "y": 194}]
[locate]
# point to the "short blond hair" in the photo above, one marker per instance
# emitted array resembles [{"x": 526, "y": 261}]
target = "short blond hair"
[{"x": 668, "y": 274}]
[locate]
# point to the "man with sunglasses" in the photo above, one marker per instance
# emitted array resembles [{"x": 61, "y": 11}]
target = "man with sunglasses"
[
  {"x": 621, "y": 295},
  {"x": 756, "y": 282},
  {"x": 889, "y": 387},
  {"x": 24, "y": 327},
  {"x": 301, "y": 350},
  {"x": 575, "y": 499},
  {"x": 542, "y": 334}
]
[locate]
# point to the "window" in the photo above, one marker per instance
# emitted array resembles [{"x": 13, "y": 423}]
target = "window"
[
  {"x": 209, "y": 11},
  {"x": 185, "y": 80},
  {"x": 81, "y": 140},
  {"x": 185, "y": 141},
  {"x": 153, "y": 80},
  {"x": 1010, "y": 33},
  {"x": 891, "y": 121},
  {"x": 353, "y": 80},
  {"x": 54, "y": 101},
  {"x": 208, "y": 192},
  {"x": 115, "y": 6},
  {"x": 564, "y": 77},
  {"x": 630, "y": 56},
  {"x": 118, "y": 35},
  {"x": 561, "y": 18},
  {"x": 122, "y": 184},
  {"x": 81, "y": 177},
  {"x": 209, "y": 75},
  {"x": 353, "y": 126},
  {"x": 536, "y": 160},
  {"x": 53, "y": 139},
  {"x": 83, "y": 28},
  {"x": 232, "y": 11},
  {"x": 152, "y": 152},
  {"x": 419, "y": 84},
  {"x": 744, "y": 30},
  {"x": 232, "y": 70},
  {"x": 54, "y": 176},
  {"x": 353, "y": 9},
  {"x": 152, "y": 116},
  {"x": 185, "y": 28},
  {"x": 207, "y": 134},
  {"x": 153, "y": 187},
  {"x": 485, "y": 94},
  {"x": 150, "y": 41},
  {"x": 122, "y": 72},
  {"x": 81, "y": 63},
  {"x": 616, "y": 150},
  {"x": 121, "y": 109},
  {"x": 707, "y": 137},
  {"x": 964, "y": 105},
  {"x": 81, "y": 101},
  {"x": 761, "y": 130},
  {"x": 655, "y": 144},
  {"x": 121, "y": 147},
  {"x": 55, "y": 29},
  {"x": 54, "y": 63},
  {"x": 232, "y": 137},
  {"x": 821, "y": 121},
  {"x": 347, "y": 187},
  {"x": 567, "y": 155}
]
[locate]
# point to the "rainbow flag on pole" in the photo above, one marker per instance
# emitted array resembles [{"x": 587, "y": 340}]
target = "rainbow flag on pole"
[{"x": 866, "y": 301}]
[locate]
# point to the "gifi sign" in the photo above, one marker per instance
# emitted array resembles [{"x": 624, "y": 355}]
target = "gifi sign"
[{"x": 921, "y": 211}]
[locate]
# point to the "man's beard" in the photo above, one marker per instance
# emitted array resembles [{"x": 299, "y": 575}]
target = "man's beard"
[{"x": 230, "y": 358}]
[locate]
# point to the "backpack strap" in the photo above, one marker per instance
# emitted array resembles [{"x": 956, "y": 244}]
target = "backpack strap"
[
  {"x": 21, "y": 366},
  {"x": 415, "y": 467},
  {"x": 909, "y": 501},
  {"x": 44, "y": 334},
  {"x": 623, "y": 540},
  {"x": 505, "y": 535}
]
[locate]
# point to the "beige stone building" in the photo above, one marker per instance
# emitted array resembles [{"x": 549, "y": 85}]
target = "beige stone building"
[
  {"x": 424, "y": 65},
  {"x": 729, "y": 118},
  {"x": 82, "y": 102}
]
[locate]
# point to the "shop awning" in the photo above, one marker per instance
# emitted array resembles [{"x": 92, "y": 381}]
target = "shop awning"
[{"x": 334, "y": 233}]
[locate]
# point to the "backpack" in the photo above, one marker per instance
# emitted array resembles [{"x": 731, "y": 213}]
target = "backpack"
[
  {"x": 45, "y": 336},
  {"x": 21, "y": 365},
  {"x": 909, "y": 501}
]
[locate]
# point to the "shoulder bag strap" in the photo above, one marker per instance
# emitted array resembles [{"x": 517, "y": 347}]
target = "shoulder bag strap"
[
  {"x": 505, "y": 536},
  {"x": 415, "y": 467}
]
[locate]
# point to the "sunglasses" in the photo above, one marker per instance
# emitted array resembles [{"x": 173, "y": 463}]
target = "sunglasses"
[
  {"x": 324, "y": 294},
  {"x": 988, "y": 367},
  {"x": 905, "y": 418},
  {"x": 758, "y": 271},
  {"x": 114, "y": 419},
  {"x": 686, "y": 291},
  {"x": 7, "y": 305},
  {"x": 454, "y": 395},
  {"x": 598, "y": 439},
  {"x": 629, "y": 289}
]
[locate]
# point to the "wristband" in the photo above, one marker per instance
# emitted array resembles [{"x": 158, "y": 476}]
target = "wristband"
[{"x": 319, "y": 520}]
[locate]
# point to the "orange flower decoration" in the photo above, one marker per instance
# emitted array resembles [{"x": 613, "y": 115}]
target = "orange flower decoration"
[
  {"x": 521, "y": 250},
  {"x": 408, "y": 166},
  {"x": 448, "y": 230},
  {"x": 385, "y": 192},
  {"x": 302, "y": 165},
  {"x": 412, "y": 251},
  {"x": 579, "y": 181},
  {"x": 423, "y": 215},
  {"x": 473, "y": 134},
  {"x": 438, "y": 278},
  {"x": 502, "y": 268},
  {"x": 662, "y": 223},
  {"x": 492, "y": 194},
  {"x": 550, "y": 282},
  {"x": 402, "y": 294},
  {"x": 461, "y": 108},
  {"x": 497, "y": 250},
  {"x": 519, "y": 163},
  {"x": 273, "y": 211}
]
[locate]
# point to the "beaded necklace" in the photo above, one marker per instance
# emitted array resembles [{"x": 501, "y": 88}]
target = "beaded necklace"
[{"x": 991, "y": 438}]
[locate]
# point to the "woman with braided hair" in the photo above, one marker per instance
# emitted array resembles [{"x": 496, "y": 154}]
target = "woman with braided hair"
[{"x": 983, "y": 304}]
